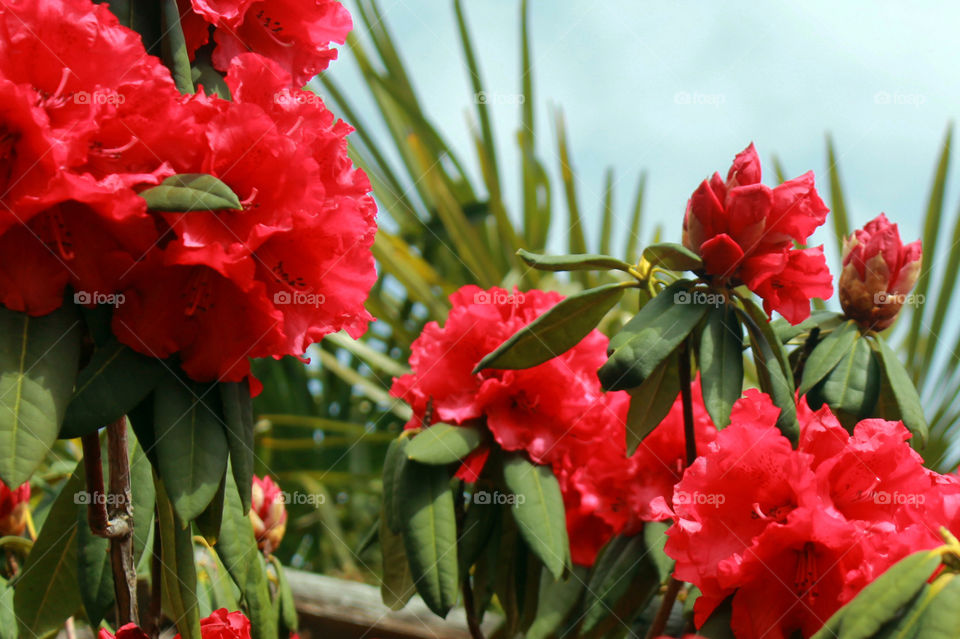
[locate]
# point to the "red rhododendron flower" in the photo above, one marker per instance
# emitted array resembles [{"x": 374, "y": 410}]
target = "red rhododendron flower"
[
  {"x": 268, "y": 513},
  {"x": 14, "y": 505},
  {"x": 745, "y": 233},
  {"x": 126, "y": 631},
  {"x": 296, "y": 34},
  {"x": 222, "y": 624},
  {"x": 293, "y": 266},
  {"x": 556, "y": 412},
  {"x": 795, "y": 534},
  {"x": 59, "y": 227},
  {"x": 878, "y": 273}
]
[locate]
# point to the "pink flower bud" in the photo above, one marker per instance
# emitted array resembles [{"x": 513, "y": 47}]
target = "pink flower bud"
[
  {"x": 878, "y": 273},
  {"x": 14, "y": 505},
  {"x": 268, "y": 514}
]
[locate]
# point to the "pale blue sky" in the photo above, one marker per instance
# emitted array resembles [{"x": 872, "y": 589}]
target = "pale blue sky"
[{"x": 678, "y": 88}]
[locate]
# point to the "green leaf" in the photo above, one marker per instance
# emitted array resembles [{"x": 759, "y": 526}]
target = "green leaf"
[
  {"x": 555, "y": 601},
  {"x": 476, "y": 530},
  {"x": 443, "y": 444},
  {"x": 853, "y": 386},
  {"x": 8, "y": 618},
  {"x": 208, "y": 522},
  {"x": 238, "y": 426},
  {"x": 652, "y": 334},
  {"x": 392, "y": 471},
  {"x": 191, "y": 192},
  {"x": 288, "y": 607},
  {"x": 143, "y": 494},
  {"x": 770, "y": 361},
  {"x": 655, "y": 537},
  {"x": 396, "y": 584},
  {"x": 721, "y": 362},
  {"x": 827, "y": 354},
  {"x": 612, "y": 574},
  {"x": 94, "y": 575},
  {"x": 179, "y": 571},
  {"x": 429, "y": 528},
  {"x": 675, "y": 257},
  {"x": 838, "y": 208},
  {"x": 636, "y": 218},
  {"x": 882, "y": 599},
  {"x": 942, "y": 615},
  {"x": 115, "y": 380},
  {"x": 904, "y": 392},
  {"x": 46, "y": 588},
  {"x": 580, "y": 262},
  {"x": 556, "y": 331},
  {"x": 237, "y": 547},
  {"x": 191, "y": 446},
  {"x": 38, "y": 367},
  {"x": 824, "y": 320},
  {"x": 651, "y": 401},
  {"x": 538, "y": 510}
]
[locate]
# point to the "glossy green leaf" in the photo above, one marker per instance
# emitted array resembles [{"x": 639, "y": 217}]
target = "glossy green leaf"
[
  {"x": 556, "y": 331},
  {"x": 827, "y": 354},
  {"x": 208, "y": 522},
  {"x": 556, "y": 600},
  {"x": 429, "y": 529},
  {"x": 651, "y": 401},
  {"x": 675, "y": 257},
  {"x": 720, "y": 355},
  {"x": 652, "y": 334},
  {"x": 579, "y": 262},
  {"x": 237, "y": 547},
  {"x": 655, "y": 537},
  {"x": 824, "y": 320},
  {"x": 443, "y": 444},
  {"x": 116, "y": 379},
  {"x": 612, "y": 574},
  {"x": 881, "y": 600},
  {"x": 392, "y": 471},
  {"x": 179, "y": 570},
  {"x": 38, "y": 367},
  {"x": 538, "y": 510},
  {"x": 478, "y": 524},
  {"x": 191, "y": 446},
  {"x": 238, "y": 426},
  {"x": 46, "y": 588},
  {"x": 904, "y": 392},
  {"x": 8, "y": 617},
  {"x": 853, "y": 386},
  {"x": 941, "y": 617},
  {"x": 396, "y": 584},
  {"x": 191, "y": 192},
  {"x": 94, "y": 575},
  {"x": 838, "y": 207},
  {"x": 288, "y": 607}
]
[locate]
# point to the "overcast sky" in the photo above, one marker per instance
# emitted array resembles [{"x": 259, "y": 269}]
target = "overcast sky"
[{"x": 678, "y": 88}]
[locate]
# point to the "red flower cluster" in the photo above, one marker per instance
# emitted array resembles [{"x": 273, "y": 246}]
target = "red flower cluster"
[
  {"x": 221, "y": 624},
  {"x": 81, "y": 135},
  {"x": 294, "y": 33},
  {"x": 556, "y": 412},
  {"x": 795, "y": 534},
  {"x": 14, "y": 505},
  {"x": 745, "y": 233}
]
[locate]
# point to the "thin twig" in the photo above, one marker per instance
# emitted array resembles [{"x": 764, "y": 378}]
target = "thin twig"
[
  {"x": 96, "y": 500},
  {"x": 121, "y": 524}
]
